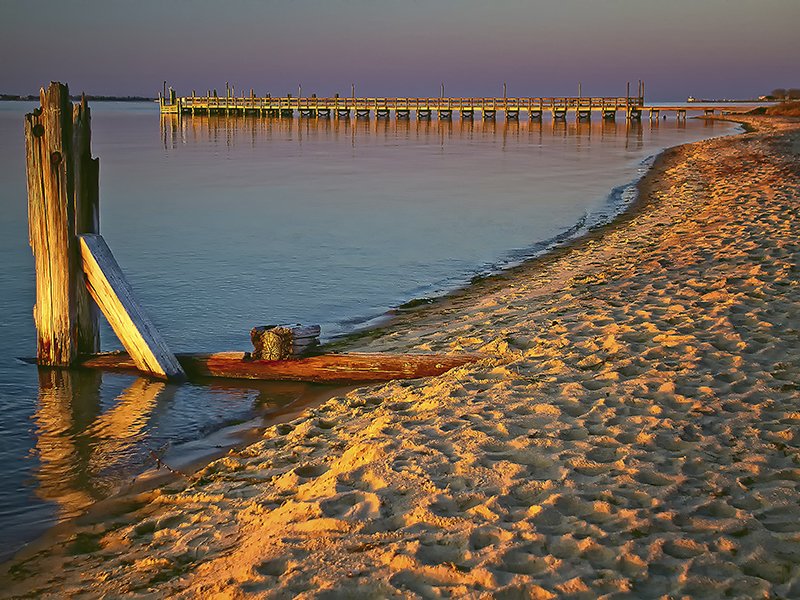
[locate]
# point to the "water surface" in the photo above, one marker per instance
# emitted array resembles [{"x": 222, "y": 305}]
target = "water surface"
[{"x": 225, "y": 223}]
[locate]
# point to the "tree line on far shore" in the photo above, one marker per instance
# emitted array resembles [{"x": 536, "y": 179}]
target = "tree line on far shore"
[{"x": 784, "y": 94}]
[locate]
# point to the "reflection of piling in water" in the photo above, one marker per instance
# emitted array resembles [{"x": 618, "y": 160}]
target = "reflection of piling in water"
[{"x": 68, "y": 402}]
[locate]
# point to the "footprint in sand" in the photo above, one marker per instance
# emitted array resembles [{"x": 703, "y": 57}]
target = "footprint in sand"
[
  {"x": 310, "y": 471},
  {"x": 572, "y": 506},
  {"x": 767, "y": 567},
  {"x": 781, "y": 519},
  {"x": 718, "y": 509},
  {"x": 599, "y": 556},
  {"x": 523, "y": 563},
  {"x": 445, "y": 506},
  {"x": 651, "y": 477},
  {"x": 574, "y": 434},
  {"x": 590, "y": 468},
  {"x": 357, "y": 506},
  {"x": 486, "y": 536},
  {"x": 605, "y": 454},
  {"x": 436, "y": 554},
  {"x": 683, "y": 548},
  {"x": 272, "y": 568},
  {"x": 548, "y": 518}
]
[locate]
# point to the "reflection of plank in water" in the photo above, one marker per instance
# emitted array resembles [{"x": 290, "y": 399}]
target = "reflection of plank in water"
[
  {"x": 77, "y": 445},
  {"x": 68, "y": 402},
  {"x": 117, "y": 431}
]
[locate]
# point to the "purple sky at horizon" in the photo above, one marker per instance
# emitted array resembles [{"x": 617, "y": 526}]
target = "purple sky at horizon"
[{"x": 705, "y": 48}]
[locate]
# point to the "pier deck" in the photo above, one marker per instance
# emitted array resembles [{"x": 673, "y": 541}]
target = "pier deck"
[{"x": 488, "y": 107}]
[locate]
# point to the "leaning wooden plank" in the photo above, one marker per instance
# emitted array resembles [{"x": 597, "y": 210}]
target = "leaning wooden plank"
[
  {"x": 325, "y": 368},
  {"x": 113, "y": 294}
]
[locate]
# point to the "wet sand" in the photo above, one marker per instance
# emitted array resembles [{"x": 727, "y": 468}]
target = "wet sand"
[{"x": 633, "y": 431}]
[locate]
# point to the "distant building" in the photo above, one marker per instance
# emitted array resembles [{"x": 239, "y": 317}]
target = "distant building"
[{"x": 691, "y": 99}]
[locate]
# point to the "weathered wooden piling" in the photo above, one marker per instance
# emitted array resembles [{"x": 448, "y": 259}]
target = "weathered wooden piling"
[
  {"x": 50, "y": 168},
  {"x": 87, "y": 220}
]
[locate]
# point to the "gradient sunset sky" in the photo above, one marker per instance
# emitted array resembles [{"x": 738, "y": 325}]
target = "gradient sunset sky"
[{"x": 706, "y": 48}]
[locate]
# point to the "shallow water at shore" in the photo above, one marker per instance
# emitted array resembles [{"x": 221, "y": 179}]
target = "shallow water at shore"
[{"x": 222, "y": 224}]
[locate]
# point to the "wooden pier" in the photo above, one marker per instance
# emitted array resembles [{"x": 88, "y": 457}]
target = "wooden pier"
[
  {"x": 580, "y": 108},
  {"x": 423, "y": 108}
]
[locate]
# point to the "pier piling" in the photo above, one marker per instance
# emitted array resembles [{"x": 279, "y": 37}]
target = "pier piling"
[{"x": 51, "y": 225}]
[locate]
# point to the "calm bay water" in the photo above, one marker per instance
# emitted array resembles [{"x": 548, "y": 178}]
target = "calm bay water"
[{"x": 226, "y": 223}]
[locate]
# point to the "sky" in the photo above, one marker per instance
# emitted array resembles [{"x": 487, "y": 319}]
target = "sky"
[{"x": 704, "y": 48}]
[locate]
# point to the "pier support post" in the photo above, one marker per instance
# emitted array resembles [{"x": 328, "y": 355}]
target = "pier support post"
[
  {"x": 51, "y": 226},
  {"x": 87, "y": 220}
]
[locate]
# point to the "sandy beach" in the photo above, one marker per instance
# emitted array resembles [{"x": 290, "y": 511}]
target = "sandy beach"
[{"x": 634, "y": 431}]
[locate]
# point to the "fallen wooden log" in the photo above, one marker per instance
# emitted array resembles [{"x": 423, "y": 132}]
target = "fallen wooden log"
[{"x": 325, "y": 368}]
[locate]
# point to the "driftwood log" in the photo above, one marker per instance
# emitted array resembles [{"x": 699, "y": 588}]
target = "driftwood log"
[{"x": 325, "y": 368}]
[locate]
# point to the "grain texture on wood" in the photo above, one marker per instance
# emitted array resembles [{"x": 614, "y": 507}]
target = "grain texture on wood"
[
  {"x": 325, "y": 368},
  {"x": 51, "y": 225},
  {"x": 280, "y": 342},
  {"x": 87, "y": 220},
  {"x": 113, "y": 294}
]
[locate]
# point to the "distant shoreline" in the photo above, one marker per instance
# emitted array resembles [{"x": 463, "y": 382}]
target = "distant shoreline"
[{"x": 35, "y": 97}]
